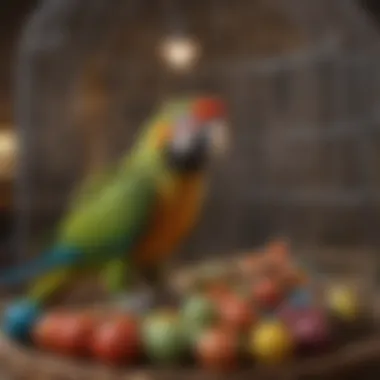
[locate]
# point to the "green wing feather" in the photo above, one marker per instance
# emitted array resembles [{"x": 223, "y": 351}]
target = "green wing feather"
[
  {"x": 110, "y": 223},
  {"x": 110, "y": 209},
  {"x": 91, "y": 187}
]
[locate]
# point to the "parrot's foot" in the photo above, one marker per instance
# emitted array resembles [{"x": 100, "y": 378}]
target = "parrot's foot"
[
  {"x": 138, "y": 303},
  {"x": 19, "y": 319}
]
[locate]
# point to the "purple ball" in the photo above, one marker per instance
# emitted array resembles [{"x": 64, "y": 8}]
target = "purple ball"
[{"x": 309, "y": 327}]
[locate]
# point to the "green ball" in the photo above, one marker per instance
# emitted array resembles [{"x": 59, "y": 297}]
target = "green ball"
[
  {"x": 198, "y": 310},
  {"x": 164, "y": 340},
  {"x": 197, "y": 314}
]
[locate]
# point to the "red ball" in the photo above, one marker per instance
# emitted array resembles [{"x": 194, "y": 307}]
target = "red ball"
[
  {"x": 236, "y": 313},
  {"x": 267, "y": 294},
  {"x": 69, "y": 334},
  {"x": 218, "y": 349},
  {"x": 117, "y": 341},
  {"x": 46, "y": 330}
]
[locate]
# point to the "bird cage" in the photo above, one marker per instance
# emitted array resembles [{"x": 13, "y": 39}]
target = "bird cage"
[{"x": 301, "y": 79}]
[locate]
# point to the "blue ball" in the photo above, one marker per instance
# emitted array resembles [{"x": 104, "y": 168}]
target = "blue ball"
[
  {"x": 19, "y": 319},
  {"x": 301, "y": 298}
]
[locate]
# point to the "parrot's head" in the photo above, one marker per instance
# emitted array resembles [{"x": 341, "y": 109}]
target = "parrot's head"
[{"x": 198, "y": 134}]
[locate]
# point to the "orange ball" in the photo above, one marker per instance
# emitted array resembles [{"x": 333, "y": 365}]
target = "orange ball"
[
  {"x": 236, "y": 313},
  {"x": 46, "y": 330},
  {"x": 218, "y": 349},
  {"x": 117, "y": 341}
]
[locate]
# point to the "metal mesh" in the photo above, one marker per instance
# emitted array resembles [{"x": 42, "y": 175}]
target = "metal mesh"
[{"x": 306, "y": 134}]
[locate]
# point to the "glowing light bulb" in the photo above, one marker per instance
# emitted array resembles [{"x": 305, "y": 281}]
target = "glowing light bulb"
[
  {"x": 180, "y": 52},
  {"x": 8, "y": 153},
  {"x": 8, "y": 143}
]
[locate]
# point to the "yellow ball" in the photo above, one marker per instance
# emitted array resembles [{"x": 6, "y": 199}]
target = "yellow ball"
[
  {"x": 343, "y": 302},
  {"x": 271, "y": 343}
]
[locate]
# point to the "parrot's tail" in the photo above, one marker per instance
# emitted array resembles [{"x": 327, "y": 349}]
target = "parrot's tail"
[{"x": 57, "y": 257}]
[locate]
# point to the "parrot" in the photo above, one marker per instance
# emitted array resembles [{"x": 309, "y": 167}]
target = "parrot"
[{"x": 132, "y": 217}]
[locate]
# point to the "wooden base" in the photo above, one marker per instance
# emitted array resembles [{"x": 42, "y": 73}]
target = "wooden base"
[{"x": 355, "y": 361}]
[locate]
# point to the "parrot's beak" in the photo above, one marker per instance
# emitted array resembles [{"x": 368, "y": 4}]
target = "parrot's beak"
[{"x": 220, "y": 138}]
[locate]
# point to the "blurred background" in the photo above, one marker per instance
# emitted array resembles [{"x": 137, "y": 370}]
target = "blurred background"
[
  {"x": 301, "y": 77},
  {"x": 12, "y": 18}
]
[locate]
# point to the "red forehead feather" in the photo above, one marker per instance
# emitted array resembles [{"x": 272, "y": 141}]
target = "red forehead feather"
[{"x": 208, "y": 108}]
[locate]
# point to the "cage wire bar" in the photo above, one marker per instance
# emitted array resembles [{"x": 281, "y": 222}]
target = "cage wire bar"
[
  {"x": 305, "y": 160},
  {"x": 53, "y": 49}
]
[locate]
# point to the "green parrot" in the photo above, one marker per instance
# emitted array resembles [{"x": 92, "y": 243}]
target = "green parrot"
[{"x": 130, "y": 217}]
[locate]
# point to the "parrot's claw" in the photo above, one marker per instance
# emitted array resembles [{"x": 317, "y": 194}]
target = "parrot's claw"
[{"x": 139, "y": 303}]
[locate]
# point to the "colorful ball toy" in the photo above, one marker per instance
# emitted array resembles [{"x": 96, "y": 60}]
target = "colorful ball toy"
[
  {"x": 19, "y": 320},
  {"x": 218, "y": 349},
  {"x": 164, "y": 339},
  {"x": 271, "y": 342}
]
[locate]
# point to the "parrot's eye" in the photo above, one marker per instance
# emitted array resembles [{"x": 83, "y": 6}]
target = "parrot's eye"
[
  {"x": 188, "y": 151},
  {"x": 194, "y": 143}
]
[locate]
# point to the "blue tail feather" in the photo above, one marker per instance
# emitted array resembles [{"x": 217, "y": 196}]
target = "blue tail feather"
[{"x": 57, "y": 257}]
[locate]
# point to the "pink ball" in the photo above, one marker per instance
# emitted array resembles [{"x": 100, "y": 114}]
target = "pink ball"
[{"x": 310, "y": 328}]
